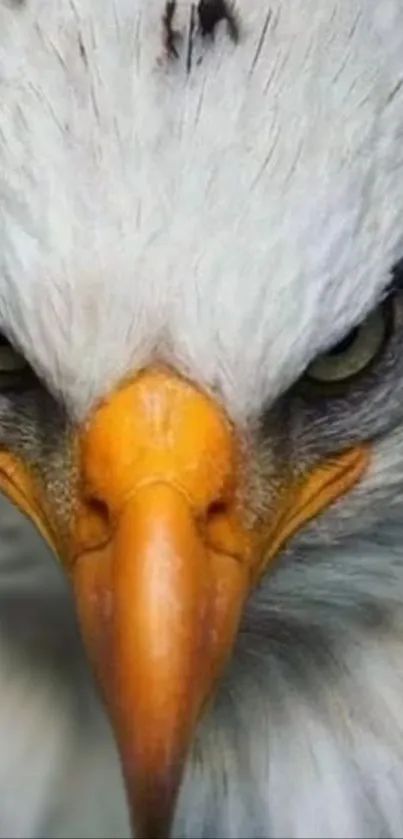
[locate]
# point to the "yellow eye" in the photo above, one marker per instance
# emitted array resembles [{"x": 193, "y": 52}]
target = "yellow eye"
[
  {"x": 10, "y": 360},
  {"x": 355, "y": 353}
]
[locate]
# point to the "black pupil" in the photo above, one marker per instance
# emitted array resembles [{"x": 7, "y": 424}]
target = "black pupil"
[{"x": 345, "y": 344}]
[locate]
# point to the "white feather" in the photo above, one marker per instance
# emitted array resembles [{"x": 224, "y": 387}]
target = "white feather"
[{"x": 233, "y": 220}]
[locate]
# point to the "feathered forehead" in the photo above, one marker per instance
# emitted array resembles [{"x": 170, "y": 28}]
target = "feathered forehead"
[{"x": 231, "y": 204}]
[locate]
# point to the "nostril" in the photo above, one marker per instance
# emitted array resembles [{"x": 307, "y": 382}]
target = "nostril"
[
  {"x": 217, "y": 509},
  {"x": 99, "y": 510},
  {"x": 94, "y": 526},
  {"x": 209, "y": 519},
  {"x": 223, "y": 530},
  {"x": 216, "y": 518}
]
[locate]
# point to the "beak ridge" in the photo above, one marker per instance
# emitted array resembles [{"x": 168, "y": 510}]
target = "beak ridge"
[{"x": 159, "y": 606}]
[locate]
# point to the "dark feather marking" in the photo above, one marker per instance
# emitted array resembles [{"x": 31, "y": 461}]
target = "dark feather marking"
[
  {"x": 170, "y": 34},
  {"x": 203, "y": 20},
  {"x": 394, "y": 92},
  {"x": 261, "y": 39},
  {"x": 265, "y": 163},
  {"x": 190, "y": 40},
  {"x": 51, "y": 46},
  {"x": 82, "y": 50},
  {"x": 200, "y": 104},
  {"x": 212, "y": 12}
]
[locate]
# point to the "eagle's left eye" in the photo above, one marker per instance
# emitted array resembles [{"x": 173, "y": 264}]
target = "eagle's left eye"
[
  {"x": 355, "y": 353},
  {"x": 11, "y": 362}
]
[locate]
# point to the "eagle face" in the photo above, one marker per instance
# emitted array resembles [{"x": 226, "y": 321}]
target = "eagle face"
[{"x": 201, "y": 310}]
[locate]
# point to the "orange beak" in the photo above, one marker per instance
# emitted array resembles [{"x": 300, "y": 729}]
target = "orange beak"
[
  {"x": 161, "y": 564},
  {"x": 160, "y": 596}
]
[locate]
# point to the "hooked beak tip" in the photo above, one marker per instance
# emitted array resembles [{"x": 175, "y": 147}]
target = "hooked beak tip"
[
  {"x": 152, "y": 799},
  {"x": 159, "y": 613}
]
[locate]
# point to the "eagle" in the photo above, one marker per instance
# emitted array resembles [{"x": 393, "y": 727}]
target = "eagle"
[{"x": 201, "y": 419}]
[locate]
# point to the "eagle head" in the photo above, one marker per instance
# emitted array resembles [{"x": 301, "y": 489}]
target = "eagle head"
[{"x": 201, "y": 383}]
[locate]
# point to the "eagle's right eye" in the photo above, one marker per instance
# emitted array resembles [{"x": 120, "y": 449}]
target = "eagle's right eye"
[
  {"x": 355, "y": 353},
  {"x": 11, "y": 362}
]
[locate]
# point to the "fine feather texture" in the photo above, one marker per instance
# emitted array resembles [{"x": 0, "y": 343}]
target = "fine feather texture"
[
  {"x": 59, "y": 774},
  {"x": 233, "y": 219},
  {"x": 214, "y": 217}
]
